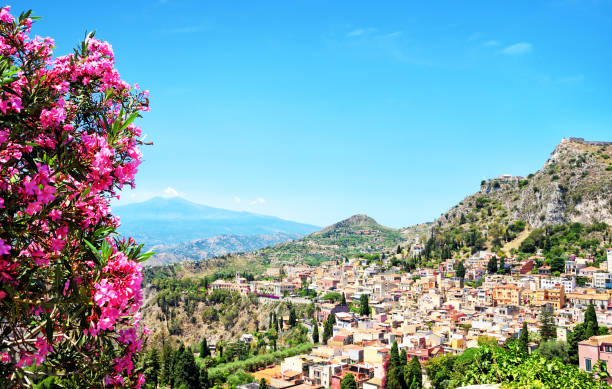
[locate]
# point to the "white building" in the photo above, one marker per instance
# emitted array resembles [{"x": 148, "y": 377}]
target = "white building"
[
  {"x": 602, "y": 280},
  {"x": 417, "y": 249},
  {"x": 568, "y": 283}
]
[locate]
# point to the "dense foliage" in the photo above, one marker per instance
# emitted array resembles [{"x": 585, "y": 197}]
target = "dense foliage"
[
  {"x": 511, "y": 367},
  {"x": 219, "y": 374},
  {"x": 175, "y": 368},
  {"x": 69, "y": 291},
  {"x": 401, "y": 374},
  {"x": 348, "y": 382}
]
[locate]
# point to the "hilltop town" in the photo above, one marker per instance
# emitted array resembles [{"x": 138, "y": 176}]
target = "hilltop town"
[
  {"x": 523, "y": 261},
  {"x": 427, "y": 312}
]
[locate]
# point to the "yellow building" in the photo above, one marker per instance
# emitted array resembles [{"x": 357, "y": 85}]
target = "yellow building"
[
  {"x": 554, "y": 296},
  {"x": 507, "y": 295},
  {"x": 458, "y": 344},
  {"x": 375, "y": 355}
]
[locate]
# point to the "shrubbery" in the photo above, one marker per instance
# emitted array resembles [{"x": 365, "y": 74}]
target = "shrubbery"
[
  {"x": 510, "y": 367},
  {"x": 220, "y": 373},
  {"x": 69, "y": 288}
]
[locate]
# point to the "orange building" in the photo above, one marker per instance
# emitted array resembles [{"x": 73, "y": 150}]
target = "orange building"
[
  {"x": 507, "y": 295},
  {"x": 554, "y": 296}
]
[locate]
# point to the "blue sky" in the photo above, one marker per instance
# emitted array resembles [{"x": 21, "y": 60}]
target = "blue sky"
[{"x": 316, "y": 110}]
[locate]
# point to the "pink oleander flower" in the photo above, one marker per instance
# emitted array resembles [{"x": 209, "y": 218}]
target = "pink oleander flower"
[
  {"x": 57, "y": 244},
  {"x": 5, "y": 248},
  {"x": 59, "y": 168},
  {"x": 5, "y": 16}
]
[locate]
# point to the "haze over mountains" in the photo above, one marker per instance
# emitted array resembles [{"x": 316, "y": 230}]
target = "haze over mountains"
[{"x": 166, "y": 221}]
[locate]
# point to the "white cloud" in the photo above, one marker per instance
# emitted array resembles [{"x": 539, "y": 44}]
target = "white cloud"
[
  {"x": 518, "y": 48},
  {"x": 170, "y": 192},
  {"x": 491, "y": 43},
  {"x": 236, "y": 199},
  {"x": 258, "y": 200},
  {"x": 361, "y": 31},
  {"x": 394, "y": 34}
]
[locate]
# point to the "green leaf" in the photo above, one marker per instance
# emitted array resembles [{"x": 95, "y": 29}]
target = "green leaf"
[
  {"x": 49, "y": 330},
  {"x": 129, "y": 121},
  {"x": 145, "y": 256}
]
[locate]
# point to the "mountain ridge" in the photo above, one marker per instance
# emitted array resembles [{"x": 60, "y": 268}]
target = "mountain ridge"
[
  {"x": 574, "y": 185},
  {"x": 574, "y": 182},
  {"x": 202, "y": 249},
  {"x": 177, "y": 220}
]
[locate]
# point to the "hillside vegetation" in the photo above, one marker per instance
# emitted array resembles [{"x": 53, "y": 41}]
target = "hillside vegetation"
[
  {"x": 201, "y": 249},
  {"x": 359, "y": 234},
  {"x": 574, "y": 186}
]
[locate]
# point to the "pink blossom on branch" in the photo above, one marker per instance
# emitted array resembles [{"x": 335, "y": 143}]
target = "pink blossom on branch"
[{"x": 67, "y": 145}]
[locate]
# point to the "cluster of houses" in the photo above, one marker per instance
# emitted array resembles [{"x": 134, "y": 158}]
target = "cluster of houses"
[{"x": 430, "y": 312}]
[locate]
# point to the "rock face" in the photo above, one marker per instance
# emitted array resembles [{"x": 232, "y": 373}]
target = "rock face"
[{"x": 574, "y": 185}]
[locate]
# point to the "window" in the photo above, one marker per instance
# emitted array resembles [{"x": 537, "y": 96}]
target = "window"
[
  {"x": 587, "y": 364},
  {"x": 608, "y": 349}
]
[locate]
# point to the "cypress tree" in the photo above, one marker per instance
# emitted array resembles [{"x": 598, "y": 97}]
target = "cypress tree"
[
  {"x": 152, "y": 367},
  {"x": 292, "y": 317},
  {"x": 364, "y": 305},
  {"x": 165, "y": 377},
  {"x": 263, "y": 384},
  {"x": 460, "y": 270},
  {"x": 394, "y": 355},
  {"x": 590, "y": 316},
  {"x": 524, "y": 338},
  {"x": 492, "y": 265},
  {"x": 328, "y": 329},
  {"x": 204, "y": 350},
  {"x": 343, "y": 302},
  {"x": 403, "y": 358},
  {"x": 185, "y": 371},
  {"x": 395, "y": 373},
  {"x": 591, "y": 330},
  {"x": 315, "y": 332},
  {"x": 413, "y": 373},
  {"x": 548, "y": 330},
  {"x": 502, "y": 266},
  {"x": 275, "y": 325}
]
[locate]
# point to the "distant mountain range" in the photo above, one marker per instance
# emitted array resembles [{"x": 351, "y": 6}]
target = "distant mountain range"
[
  {"x": 201, "y": 249},
  {"x": 574, "y": 185},
  {"x": 167, "y": 221}
]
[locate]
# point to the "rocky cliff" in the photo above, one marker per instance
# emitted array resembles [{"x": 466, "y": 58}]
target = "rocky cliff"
[{"x": 574, "y": 185}]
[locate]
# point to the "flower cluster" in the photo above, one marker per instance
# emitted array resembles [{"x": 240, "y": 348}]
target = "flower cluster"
[{"x": 68, "y": 143}]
